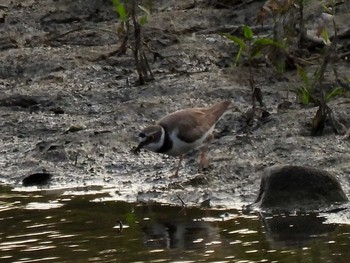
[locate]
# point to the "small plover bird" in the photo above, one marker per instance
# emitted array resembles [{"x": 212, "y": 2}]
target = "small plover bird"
[{"x": 182, "y": 131}]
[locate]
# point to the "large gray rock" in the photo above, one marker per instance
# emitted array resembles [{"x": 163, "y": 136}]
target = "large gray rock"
[{"x": 296, "y": 187}]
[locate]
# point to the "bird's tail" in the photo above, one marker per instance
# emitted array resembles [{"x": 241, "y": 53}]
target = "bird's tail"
[{"x": 219, "y": 108}]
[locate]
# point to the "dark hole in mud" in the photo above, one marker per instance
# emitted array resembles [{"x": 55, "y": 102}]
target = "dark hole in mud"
[{"x": 37, "y": 179}]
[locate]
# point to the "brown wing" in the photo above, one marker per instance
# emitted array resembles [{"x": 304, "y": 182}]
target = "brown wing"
[{"x": 191, "y": 124}]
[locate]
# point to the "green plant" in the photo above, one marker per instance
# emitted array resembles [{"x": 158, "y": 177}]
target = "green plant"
[
  {"x": 305, "y": 91},
  {"x": 121, "y": 10},
  {"x": 282, "y": 13},
  {"x": 126, "y": 10},
  {"x": 314, "y": 85},
  {"x": 121, "y": 7},
  {"x": 250, "y": 45},
  {"x": 336, "y": 91}
]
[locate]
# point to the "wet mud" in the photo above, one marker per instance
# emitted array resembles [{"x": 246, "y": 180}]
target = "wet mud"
[{"x": 65, "y": 111}]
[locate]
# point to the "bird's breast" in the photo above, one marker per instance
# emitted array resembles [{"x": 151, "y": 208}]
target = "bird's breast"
[{"x": 181, "y": 147}]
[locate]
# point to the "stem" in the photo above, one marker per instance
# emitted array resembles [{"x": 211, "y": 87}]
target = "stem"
[
  {"x": 251, "y": 76},
  {"x": 137, "y": 46},
  {"x": 301, "y": 25},
  {"x": 327, "y": 58}
]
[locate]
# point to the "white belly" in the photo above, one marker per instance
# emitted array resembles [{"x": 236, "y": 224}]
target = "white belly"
[{"x": 181, "y": 147}]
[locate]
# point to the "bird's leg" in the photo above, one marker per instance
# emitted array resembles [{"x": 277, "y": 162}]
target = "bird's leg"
[
  {"x": 203, "y": 161},
  {"x": 178, "y": 167}
]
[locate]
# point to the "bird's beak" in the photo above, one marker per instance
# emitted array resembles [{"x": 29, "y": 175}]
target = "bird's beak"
[{"x": 138, "y": 148}]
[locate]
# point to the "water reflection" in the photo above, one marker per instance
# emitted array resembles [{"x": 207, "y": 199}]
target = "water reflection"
[
  {"x": 41, "y": 227},
  {"x": 180, "y": 234},
  {"x": 295, "y": 230}
]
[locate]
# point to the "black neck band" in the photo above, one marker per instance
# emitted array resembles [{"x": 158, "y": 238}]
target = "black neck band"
[{"x": 167, "y": 144}]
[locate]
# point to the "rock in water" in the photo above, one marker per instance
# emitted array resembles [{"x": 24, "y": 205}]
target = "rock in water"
[{"x": 297, "y": 187}]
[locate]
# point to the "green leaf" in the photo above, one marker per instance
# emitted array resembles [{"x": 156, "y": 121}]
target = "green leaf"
[
  {"x": 268, "y": 42},
  {"x": 120, "y": 10},
  {"x": 264, "y": 41},
  {"x": 304, "y": 95},
  {"x": 238, "y": 56},
  {"x": 335, "y": 92},
  {"x": 261, "y": 43},
  {"x": 235, "y": 39},
  {"x": 239, "y": 42},
  {"x": 325, "y": 37},
  {"x": 304, "y": 77},
  {"x": 143, "y": 20},
  {"x": 144, "y": 9},
  {"x": 327, "y": 9},
  {"x": 248, "y": 33}
]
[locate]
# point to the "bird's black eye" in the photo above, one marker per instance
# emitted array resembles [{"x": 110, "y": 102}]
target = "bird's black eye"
[{"x": 142, "y": 135}]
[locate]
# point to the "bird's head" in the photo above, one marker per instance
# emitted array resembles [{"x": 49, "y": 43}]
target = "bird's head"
[{"x": 151, "y": 138}]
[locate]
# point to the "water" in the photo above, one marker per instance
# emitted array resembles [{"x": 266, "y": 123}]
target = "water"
[{"x": 55, "y": 227}]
